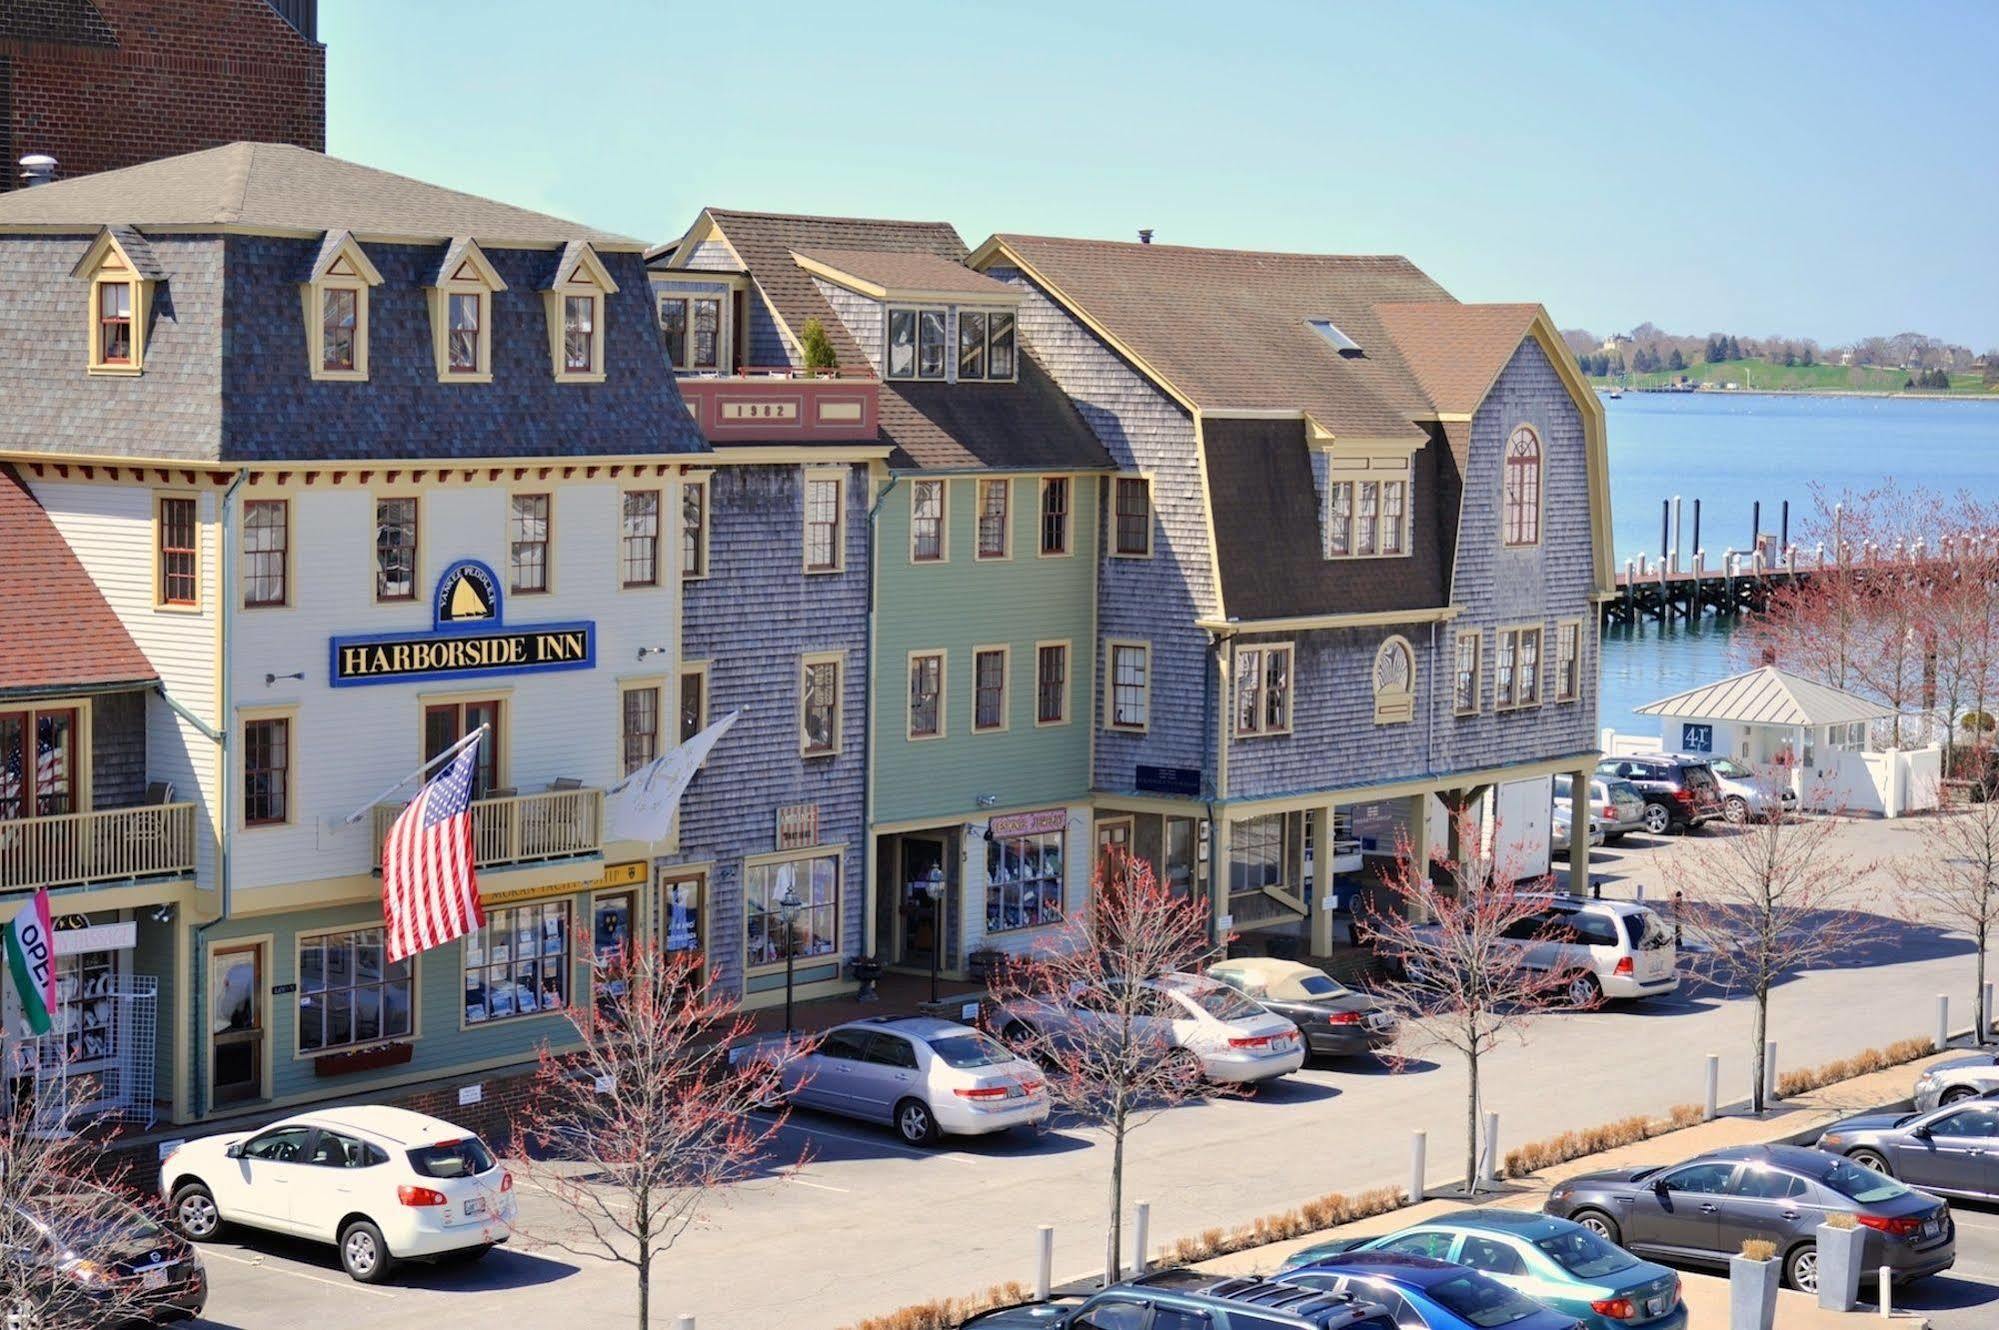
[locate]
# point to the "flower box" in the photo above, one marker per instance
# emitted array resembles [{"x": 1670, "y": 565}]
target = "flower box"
[{"x": 348, "y": 1061}]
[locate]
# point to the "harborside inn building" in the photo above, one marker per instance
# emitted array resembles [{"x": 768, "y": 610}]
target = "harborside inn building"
[{"x": 324, "y": 468}]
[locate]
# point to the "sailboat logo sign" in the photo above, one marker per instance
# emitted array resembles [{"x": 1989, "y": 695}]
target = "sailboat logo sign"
[{"x": 468, "y": 639}]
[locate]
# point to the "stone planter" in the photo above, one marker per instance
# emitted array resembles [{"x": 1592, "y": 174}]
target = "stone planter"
[
  {"x": 1752, "y": 1293},
  {"x": 1841, "y": 1251}
]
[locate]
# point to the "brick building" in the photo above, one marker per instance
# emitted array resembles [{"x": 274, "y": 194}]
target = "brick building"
[{"x": 100, "y": 84}]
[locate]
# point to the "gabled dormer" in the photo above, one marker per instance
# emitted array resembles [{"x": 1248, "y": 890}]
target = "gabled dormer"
[
  {"x": 123, "y": 276},
  {"x": 335, "y": 294},
  {"x": 921, "y": 316},
  {"x": 461, "y": 313},
  {"x": 575, "y": 301}
]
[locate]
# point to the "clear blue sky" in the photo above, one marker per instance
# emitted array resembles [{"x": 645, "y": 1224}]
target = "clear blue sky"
[{"x": 1810, "y": 169}]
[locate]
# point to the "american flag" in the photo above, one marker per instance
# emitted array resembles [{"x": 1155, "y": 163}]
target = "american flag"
[{"x": 430, "y": 893}]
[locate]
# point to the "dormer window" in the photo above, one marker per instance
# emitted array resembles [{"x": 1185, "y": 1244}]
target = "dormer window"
[
  {"x": 119, "y": 267},
  {"x": 916, "y": 344},
  {"x": 985, "y": 345},
  {"x": 461, "y": 313},
  {"x": 1367, "y": 515},
  {"x": 336, "y": 310},
  {"x": 575, "y": 301}
]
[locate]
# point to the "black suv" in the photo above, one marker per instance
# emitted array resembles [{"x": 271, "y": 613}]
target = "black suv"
[
  {"x": 1680, "y": 793},
  {"x": 1189, "y": 1300}
]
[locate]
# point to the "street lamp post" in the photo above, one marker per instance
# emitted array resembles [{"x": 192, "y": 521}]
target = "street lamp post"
[
  {"x": 788, "y": 906},
  {"x": 933, "y": 887}
]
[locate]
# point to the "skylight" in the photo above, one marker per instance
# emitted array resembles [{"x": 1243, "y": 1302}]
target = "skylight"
[{"x": 1327, "y": 329}]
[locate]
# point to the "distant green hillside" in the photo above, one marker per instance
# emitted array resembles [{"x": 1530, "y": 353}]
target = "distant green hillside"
[{"x": 1796, "y": 378}]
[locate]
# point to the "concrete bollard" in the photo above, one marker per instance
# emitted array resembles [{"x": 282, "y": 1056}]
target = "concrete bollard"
[
  {"x": 1770, "y": 1071},
  {"x": 1943, "y": 1022},
  {"x": 1140, "y": 1231},
  {"x": 1712, "y": 1108},
  {"x": 1044, "y": 1262},
  {"x": 1419, "y": 1144},
  {"x": 684, "y": 1322},
  {"x": 1985, "y": 1018},
  {"x": 1887, "y": 1294},
  {"x": 1491, "y": 1173}
]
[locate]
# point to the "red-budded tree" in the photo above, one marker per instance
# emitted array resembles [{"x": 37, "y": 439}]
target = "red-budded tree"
[
  {"x": 1079, "y": 1005},
  {"x": 1768, "y": 899},
  {"x": 1457, "y": 953},
  {"x": 634, "y": 1134}
]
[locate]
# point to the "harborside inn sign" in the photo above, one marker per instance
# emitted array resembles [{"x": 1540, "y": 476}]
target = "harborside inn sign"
[{"x": 468, "y": 639}]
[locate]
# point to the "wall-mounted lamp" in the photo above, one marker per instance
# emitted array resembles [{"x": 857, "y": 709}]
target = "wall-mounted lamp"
[
  {"x": 270, "y": 679},
  {"x": 653, "y": 651},
  {"x": 163, "y": 914}
]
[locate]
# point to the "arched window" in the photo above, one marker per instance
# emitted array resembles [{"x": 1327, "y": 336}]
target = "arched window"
[
  {"x": 1394, "y": 682},
  {"x": 1523, "y": 487}
]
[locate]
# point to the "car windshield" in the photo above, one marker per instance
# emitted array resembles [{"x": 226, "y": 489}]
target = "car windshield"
[
  {"x": 1585, "y": 1255},
  {"x": 970, "y": 1050},
  {"x": 1646, "y": 931},
  {"x": 1221, "y": 1002},
  {"x": 1861, "y": 1184},
  {"x": 452, "y": 1159},
  {"x": 87, "y": 1221},
  {"x": 1482, "y": 1301}
]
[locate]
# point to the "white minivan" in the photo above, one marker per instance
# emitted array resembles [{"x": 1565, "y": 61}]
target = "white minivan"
[
  {"x": 1603, "y": 949},
  {"x": 383, "y": 1184}
]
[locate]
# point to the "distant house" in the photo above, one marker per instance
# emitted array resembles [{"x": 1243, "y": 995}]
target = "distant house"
[{"x": 1614, "y": 342}]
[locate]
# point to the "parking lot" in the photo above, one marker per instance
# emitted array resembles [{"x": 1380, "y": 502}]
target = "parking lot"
[{"x": 868, "y": 1225}]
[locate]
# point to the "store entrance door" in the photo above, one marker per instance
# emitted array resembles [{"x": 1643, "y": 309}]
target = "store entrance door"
[
  {"x": 924, "y": 865},
  {"x": 236, "y": 985}
]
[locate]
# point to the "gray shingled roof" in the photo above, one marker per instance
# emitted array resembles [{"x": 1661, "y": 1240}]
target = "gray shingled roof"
[
  {"x": 910, "y": 272},
  {"x": 287, "y": 190},
  {"x": 1768, "y": 696}
]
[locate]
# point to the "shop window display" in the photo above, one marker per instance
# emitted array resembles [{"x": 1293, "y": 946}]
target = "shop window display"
[
  {"x": 1024, "y": 882},
  {"x": 816, "y": 884},
  {"x": 518, "y": 964}
]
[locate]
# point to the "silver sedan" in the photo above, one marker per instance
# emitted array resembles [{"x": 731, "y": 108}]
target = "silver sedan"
[{"x": 925, "y": 1077}]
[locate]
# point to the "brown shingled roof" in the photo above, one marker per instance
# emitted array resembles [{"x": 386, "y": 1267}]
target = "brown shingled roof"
[
  {"x": 1228, "y": 329},
  {"x": 904, "y": 271},
  {"x": 1456, "y": 351},
  {"x": 59, "y": 632}
]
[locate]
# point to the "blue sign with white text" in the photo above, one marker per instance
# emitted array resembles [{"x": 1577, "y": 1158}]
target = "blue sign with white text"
[
  {"x": 1696, "y": 738},
  {"x": 468, "y": 639}
]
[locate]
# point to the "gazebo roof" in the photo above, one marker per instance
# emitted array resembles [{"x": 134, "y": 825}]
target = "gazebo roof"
[{"x": 1769, "y": 696}]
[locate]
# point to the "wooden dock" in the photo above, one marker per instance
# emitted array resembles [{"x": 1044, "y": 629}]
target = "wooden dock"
[{"x": 1744, "y": 579}]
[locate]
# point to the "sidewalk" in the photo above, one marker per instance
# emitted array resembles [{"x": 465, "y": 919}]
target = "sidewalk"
[{"x": 1706, "y": 1295}]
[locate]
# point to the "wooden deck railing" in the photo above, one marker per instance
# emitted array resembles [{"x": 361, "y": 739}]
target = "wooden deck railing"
[
  {"x": 111, "y": 845},
  {"x": 522, "y": 828}
]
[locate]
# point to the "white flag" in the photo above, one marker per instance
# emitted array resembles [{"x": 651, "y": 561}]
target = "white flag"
[{"x": 641, "y": 807}]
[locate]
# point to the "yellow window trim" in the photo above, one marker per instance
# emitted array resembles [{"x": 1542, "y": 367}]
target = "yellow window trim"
[
  {"x": 660, "y": 553},
  {"x": 545, "y": 489},
  {"x": 1006, "y": 688},
  {"x": 1516, "y": 631},
  {"x": 979, "y": 517},
  {"x": 697, "y": 481},
  {"x": 106, "y": 263},
  {"x": 1560, "y": 625},
  {"x": 582, "y": 274},
  {"x": 376, "y": 495},
  {"x": 243, "y": 562},
  {"x": 291, "y": 999},
  {"x": 460, "y": 696},
  {"x": 83, "y": 743},
  {"x": 817, "y": 475},
  {"x": 1266, "y": 649},
  {"x": 1143, "y": 479},
  {"x": 1068, "y": 680},
  {"x": 1540, "y": 486},
  {"x": 199, "y": 605},
  {"x": 943, "y": 485},
  {"x": 668, "y": 719},
  {"x": 345, "y": 268},
  {"x": 1111, "y": 646},
  {"x": 838, "y": 660},
  {"x": 1477, "y": 637},
  {"x": 1068, "y": 549},
  {"x": 287, "y": 712},
  {"x": 484, "y": 282},
  {"x": 943, "y": 693}
]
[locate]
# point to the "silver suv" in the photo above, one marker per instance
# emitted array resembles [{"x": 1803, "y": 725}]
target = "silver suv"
[{"x": 1605, "y": 949}]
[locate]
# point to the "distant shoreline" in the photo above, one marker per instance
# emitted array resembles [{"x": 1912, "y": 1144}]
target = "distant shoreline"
[{"x": 1906, "y": 394}]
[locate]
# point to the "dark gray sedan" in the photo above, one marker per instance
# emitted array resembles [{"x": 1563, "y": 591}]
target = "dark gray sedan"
[
  {"x": 1703, "y": 1210},
  {"x": 1953, "y": 1151}
]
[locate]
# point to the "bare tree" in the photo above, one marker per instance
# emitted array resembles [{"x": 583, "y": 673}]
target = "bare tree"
[
  {"x": 68, "y": 1231},
  {"x": 634, "y": 1133},
  {"x": 1955, "y": 883},
  {"x": 1080, "y": 1006},
  {"x": 1766, "y": 899},
  {"x": 1460, "y": 976}
]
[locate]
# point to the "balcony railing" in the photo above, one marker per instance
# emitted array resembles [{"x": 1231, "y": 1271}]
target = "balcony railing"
[
  {"x": 807, "y": 406},
  {"x": 112, "y": 845},
  {"x": 522, "y": 828}
]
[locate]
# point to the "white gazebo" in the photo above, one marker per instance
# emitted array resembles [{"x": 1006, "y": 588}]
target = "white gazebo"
[{"x": 1823, "y": 735}]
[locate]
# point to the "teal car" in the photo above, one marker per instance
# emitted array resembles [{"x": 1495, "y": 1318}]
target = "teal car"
[{"x": 1560, "y": 1265}]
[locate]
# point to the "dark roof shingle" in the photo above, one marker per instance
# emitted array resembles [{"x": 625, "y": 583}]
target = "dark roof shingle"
[
  {"x": 910, "y": 272},
  {"x": 61, "y": 633}
]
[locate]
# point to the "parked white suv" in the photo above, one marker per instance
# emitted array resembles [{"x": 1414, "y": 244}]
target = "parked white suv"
[
  {"x": 383, "y": 1184},
  {"x": 1605, "y": 949}
]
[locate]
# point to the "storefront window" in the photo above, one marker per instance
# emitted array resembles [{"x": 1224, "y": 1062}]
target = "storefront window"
[
  {"x": 518, "y": 964},
  {"x": 348, "y": 991},
  {"x": 1179, "y": 855},
  {"x": 1024, "y": 881},
  {"x": 816, "y": 931},
  {"x": 1257, "y": 853},
  {"x": 610, "y": 944},
  {"x": 681, "y": 927},
  {"x": 86, "y": 1005}
]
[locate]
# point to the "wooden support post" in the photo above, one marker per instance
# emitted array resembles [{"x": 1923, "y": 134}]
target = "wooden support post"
[
  {"x": 1419, "y": 840},
  {"x": 1322, "y": 880},
  {"x": 1579, "y": 781}
]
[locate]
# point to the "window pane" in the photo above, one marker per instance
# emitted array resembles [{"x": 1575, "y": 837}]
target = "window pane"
[
  {"x": 462, "y": 340},
  {"x": 989, "y": 682},
  {"x": 179, "y": 555},
  {"x": 822, "y": 524},
  {"x": 925, "y": 679},
  {"x": 706, "y": 350},
  {"x": 395, "y": 549},
  {"x": 1364, "y": 525},
  {"x": 1134, "y": 516},
  {"x": 999, "y": 354},
  {"x": 822, "y": 702},
  {"x": 1055, "y": 515},
  {"x": 971, "y": 345},
  {"x": 264, "y": 553},
  {"x": 339, "y": 314},
  {"x": 529, "y": 545},
  {"x": 930, "y": 344},
  {"x": 694, "y": 529},
  {"x": 1277, "y": 690},
  {"x": 693, "y": 703},
  {"x": 1393, "y": 515},
  {"x": 673, "y": 326},
  {"x": 1051, "y": 683},
  {"x": 641, "y": 538},
  {"x": 1339, "y": 519},
  {"x": 579, "y": 322},
  {"x": 641, "y": 727},
  {"x": 1128, "y": 688},
  {"x": 902, "y": 343},
  {"x": 993, "y": 518},
  {"x": 927, "y": 520}
]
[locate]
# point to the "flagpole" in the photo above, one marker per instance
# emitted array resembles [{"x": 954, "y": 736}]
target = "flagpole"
[{"x": 452, "y": 751}]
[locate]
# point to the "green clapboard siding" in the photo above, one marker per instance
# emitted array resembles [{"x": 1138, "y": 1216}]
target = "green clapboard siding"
[{"x": 965, "y": 603}]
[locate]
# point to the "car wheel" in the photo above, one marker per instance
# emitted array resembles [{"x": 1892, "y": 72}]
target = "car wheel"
[
  {"x": 1599, "y": 1223},
  {"x": 1191, "y": 1068},
  {"x": 1583, "y": 990},
  {"x": 364, "y": 1254},
  {"x": 914, "y": 1123},
  {"x": 1735, "y": 809},
  {"x": 1957, "y": 1094},
  {"x": 1801, "y": 1269},
  {"x": 1873, "y": 1160},
  {"x": 1018, "y": 1035},
  {"x": 195, "y": 1213},
  {"x": 1658, "y": 819}
]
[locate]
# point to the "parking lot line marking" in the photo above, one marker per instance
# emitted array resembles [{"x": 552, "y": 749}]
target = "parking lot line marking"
[
  {"x": 357, "y": 1286},
  {"x": 875, "y": 1143},
  {"x": 817, "y": 1186}
]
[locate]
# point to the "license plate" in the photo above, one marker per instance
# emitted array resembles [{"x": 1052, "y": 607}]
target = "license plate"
[
  {"x": 474, "y": 1207},
  {"x": 1932, "y": 1227},
  {"x": 153, "y": 1279},
  {"x": 1655, "y": 1307},
  {"x": 1379, "y": 1020}
]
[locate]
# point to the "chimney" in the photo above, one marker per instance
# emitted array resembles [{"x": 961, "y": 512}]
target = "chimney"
[
  {"x": 1144, "y": 235},
  {"x": 37, "y": 168}
]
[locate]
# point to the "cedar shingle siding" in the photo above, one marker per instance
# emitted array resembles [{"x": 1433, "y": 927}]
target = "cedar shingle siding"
[{"x": 753, "y": 618}]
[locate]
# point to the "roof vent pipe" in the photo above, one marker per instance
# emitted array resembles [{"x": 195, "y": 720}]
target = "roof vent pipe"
[
  {"x": 1144, "y": 235},
  {"x": 37, "y": 168}
]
